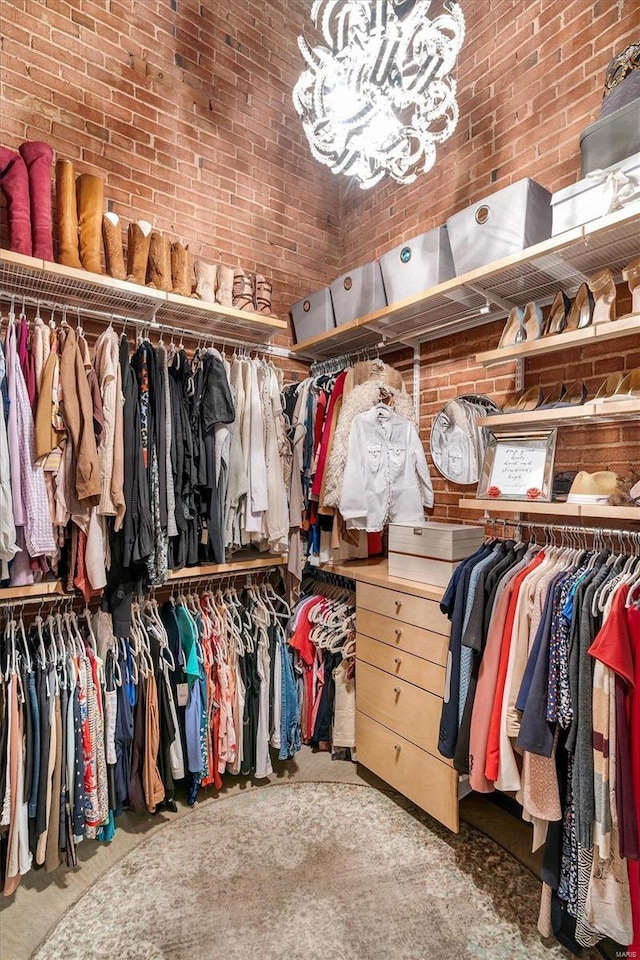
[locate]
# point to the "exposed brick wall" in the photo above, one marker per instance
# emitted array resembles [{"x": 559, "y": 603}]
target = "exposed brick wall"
[{"x": 185, "y": 108}]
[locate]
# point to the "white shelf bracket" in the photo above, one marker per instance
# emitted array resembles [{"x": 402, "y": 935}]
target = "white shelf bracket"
[{"x": 519, "y": 374}]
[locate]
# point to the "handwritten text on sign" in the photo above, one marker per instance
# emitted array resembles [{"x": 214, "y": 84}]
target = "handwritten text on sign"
[{"x": 516, "y": 469}]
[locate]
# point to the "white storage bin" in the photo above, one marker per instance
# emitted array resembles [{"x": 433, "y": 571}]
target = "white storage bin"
[
  {"x": 418, "y": 264},
  {"x": 589, "y": 199},
  {"x": 313, "y": 315},
  {"x": 358, "y": 292},
  {"x": 505, "y": 223}
]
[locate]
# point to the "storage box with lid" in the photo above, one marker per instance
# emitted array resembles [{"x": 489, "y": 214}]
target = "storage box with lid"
[
  {"x": 430, "y": 552},
  {"x": 611, "y": 139},
  {"x": 593, "y": 197},
  {"x": 313, "y": 315},
  {"x": 414, "y": 266},
  {"x": 358, "y": 292},
  {"x": 510, "y": 220}
]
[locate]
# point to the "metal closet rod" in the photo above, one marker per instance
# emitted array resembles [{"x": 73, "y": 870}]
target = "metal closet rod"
[
  {"x": 145, "y": 323},
  {"x": 565, "y": 527}
]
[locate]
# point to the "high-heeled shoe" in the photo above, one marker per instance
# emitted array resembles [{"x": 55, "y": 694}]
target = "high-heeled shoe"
[
  {"x": 574, "y": 395},
  {"x": 581, "y": 313},
  {"x": 532, "y": 321},
  {"x": 603, "y": 288},
  {"x": 628, "y": 388},
  {"x": 631, "y": 274},
  {"x": 609, "y": 387},
  {"x": 513, "y": 330},
  {"x": 557, "y": 319},
  {"x": 553, "y": 397},
  {"x": 523, "y": 402}
]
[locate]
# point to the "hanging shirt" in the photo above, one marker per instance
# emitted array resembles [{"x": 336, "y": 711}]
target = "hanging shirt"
[{"x": 386, "y": 477}]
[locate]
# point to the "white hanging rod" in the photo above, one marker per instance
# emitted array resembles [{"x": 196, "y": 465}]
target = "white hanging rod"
[
  {"x": 566, "y": 528},
  {"x": 147, "y": 324}
]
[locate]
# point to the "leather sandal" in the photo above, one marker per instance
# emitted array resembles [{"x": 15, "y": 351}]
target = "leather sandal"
[
  {"x": 603, "y": 288},
  {"x": 557, "y": 319},
  {"x": 263, "y": 292},
  {"x": 243, "y": 298}
]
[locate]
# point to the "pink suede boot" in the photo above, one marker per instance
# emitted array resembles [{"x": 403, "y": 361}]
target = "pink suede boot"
[
  {"x": 14, "y": 180},
  {"x": 38, "y": 158}
]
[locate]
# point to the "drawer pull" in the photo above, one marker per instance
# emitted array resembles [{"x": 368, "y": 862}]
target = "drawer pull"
[
  {"x": 397, "y": 691},
  {"x": 396, "y": 747},
  {"x": 397, "y": 661},
  {"x": 398, "y": 634},
  {"x": 398, "y": 605}
]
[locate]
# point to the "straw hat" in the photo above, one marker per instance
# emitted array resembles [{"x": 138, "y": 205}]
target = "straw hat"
[{"x": 593, "y": 487}]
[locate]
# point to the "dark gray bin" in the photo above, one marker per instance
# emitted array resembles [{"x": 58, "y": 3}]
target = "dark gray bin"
[
  {"x": 313, "y": 315},
  {"x": 611, "y": 139},
  {"x": 417, "y": 264},
  {"x": 508, "y": 221}
]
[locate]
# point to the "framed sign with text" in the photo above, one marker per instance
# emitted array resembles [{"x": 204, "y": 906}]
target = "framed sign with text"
[{"x": 518, "y": 467}]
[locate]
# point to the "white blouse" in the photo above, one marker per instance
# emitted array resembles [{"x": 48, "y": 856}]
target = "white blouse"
[{"x": 386, "y": 477}]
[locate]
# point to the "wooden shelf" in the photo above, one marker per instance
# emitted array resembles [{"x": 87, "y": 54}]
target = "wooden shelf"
[
  {"x": 576, "y": 511},
  {"x": 375, "y": 571},
  {"x": 604, "y": 411},
  {"x": 623, "y": 327},
  {"x": 537, "y": 273},
  {"x": 246, "y": 564},
  {"x": 53, "y": 283}
]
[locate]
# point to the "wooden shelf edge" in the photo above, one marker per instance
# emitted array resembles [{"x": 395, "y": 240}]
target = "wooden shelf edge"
[
  {"x": 608, "y": 330},
  {"x": 606, "y": 411},
  {"x": 574, "y": 510}
]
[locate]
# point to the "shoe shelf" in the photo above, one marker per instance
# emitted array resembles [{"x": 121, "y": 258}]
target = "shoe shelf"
[
  {"x": 53, "y": 283},
  {"x": 537, "y": 273},
  {"x": 598, "y": 333},
  {"x": 604, "y": 411},
  {"x": 246, "y": 564},
  {"x": 577, "y": 511}
]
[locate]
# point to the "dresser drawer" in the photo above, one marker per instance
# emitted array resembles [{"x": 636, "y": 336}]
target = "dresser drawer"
[
  {"x": 403, "y": 607},
  {"x": 403, "y": 636},
  {"x": 427, "y": 781},
  {"x": 422, "y": 673},
  {"x": 410, "y": 711}
]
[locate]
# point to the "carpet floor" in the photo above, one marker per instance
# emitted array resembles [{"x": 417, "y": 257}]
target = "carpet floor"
[{"x": 315, "y": 871}]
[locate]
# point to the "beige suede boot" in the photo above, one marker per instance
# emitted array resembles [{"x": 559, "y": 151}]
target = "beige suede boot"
[
  {"x": 113, "y": 251},
  {"x": 206, "y": 275},
  {"x": 138, "y": 242},
  {"x": 224, "y": 291}
]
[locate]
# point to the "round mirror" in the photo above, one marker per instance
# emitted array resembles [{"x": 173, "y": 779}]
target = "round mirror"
[{"x": 457, "y": 442}]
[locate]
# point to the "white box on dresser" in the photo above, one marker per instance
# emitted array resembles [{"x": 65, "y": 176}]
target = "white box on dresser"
[{"x": 430, "y": 552}]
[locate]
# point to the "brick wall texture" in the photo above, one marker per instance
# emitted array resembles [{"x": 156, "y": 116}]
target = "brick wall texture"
[{"x": 185, "y": 108}]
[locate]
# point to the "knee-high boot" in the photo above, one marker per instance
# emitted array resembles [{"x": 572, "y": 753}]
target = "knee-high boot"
[
  {"x": 14, "y": 180},
  {"x": 67, "y": 214},
  {"x": 38, "y": 157},
  {"x": 90, "y": 194}
]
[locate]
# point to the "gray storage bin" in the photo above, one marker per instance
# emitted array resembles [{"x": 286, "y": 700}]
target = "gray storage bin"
[
  {"x": 358, "y": 292},
  {"x": 611, "y": 139},
  {"x": 313, "y": 315},
  {"x": 506, "y": 222},
  {"x": 416, "y": 265}
]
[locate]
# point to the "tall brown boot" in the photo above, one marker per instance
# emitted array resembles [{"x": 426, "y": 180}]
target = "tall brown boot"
[
  {"x": 67, "y": 214},
  {"x": 243, "y": 291},
  {"x": 138, "y": 242},
  {"x": 264, "y": 289},
  {"x": 180, "y": 269},
  {"x": 224, "y": 290},
  {"x": 90, "y": 196},
  {"x": 113, "y": 252},
  {"x": 159, "y": 262},
  {"x": 206, "y": 275}
]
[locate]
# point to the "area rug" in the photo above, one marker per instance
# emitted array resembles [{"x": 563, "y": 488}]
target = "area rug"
[{"x": 307, "y": 871}]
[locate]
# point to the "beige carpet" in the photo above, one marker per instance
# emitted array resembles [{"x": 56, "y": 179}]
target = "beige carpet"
[{"x": 308, "y": 871}]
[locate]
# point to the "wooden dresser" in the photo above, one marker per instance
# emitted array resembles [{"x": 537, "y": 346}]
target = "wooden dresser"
[{"x": 401, "y": 650}]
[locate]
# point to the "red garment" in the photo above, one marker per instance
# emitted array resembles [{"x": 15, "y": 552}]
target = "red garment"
[
  {"x": 300, "y": 640},
  {"x": 492, "y": 762},
  {"x": 374, "y": 544},
  {"x": 321, "y": 408},
  {"x": 336, "y": 393}
]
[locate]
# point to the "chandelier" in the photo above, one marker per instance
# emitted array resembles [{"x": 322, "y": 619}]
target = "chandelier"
[{"x": 376, "y": 100}]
